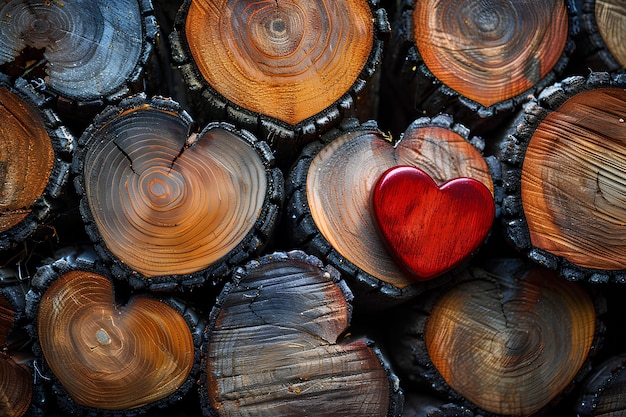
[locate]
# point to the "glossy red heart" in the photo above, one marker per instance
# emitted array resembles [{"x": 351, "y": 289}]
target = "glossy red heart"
[{"x": 430, "y": 229}]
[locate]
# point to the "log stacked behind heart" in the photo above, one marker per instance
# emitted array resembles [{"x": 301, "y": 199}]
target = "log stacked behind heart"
[
  {"x": 478, "y": 60},
  {"x": 564, "y": 178},
  {"x": 330, "y": 214},
  {"x": 105, "y": 356},
  {"x": 276, "y": 345},
  {"x": 285, "y": 71},
  {"x": 508, "y": 340},
  {"x": 603, "y": 392},
  {"x": 171, "y": 206},
  {"x": 35, "y": 150},
  {"x": 84, "y": 54}
]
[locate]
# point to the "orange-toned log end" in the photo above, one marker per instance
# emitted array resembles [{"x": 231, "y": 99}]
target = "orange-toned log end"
[
  {"x": 288, "y": 60},
  {"x": 343, "y": 174},
  {"x": 510, "y": 346},
  {"x": 107, "y": 356},
  {"x": 26, "y": 158},
  {"x": 16, "y": 381},
  {"x": 275, "y": 346},
  {"x": 490, "y": 51},
  {"x": 167, "y": 201},
  {"x": 574, "y": 181},
  {"x": 610, "y": 18}
]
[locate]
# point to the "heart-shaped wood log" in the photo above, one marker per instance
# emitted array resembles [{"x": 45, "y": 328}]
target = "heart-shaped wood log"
[
  {"x": 430, "y": 229},
  {"x": 107, "y": 357}
]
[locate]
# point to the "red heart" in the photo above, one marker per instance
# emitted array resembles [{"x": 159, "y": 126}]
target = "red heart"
[{"x": 431, "y": 229}]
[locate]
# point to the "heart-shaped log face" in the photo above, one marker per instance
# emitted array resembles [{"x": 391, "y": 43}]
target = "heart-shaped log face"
[
  {"x": 26, "y": 158},
  {"x": 511, "y": 345},
  {"x": 91, "y": 48},
  {"x": 273, "y": 348},
  {"x": 431, "y": 229},
  {"x": 342, "y": 175},
  {"x": 109, "y": 357},
  {"x": 288, "y": 59},
  {"x": 490, "y": 51},
  {"x": 16, "y": 381},
  {"x": 166, "y": 203}
]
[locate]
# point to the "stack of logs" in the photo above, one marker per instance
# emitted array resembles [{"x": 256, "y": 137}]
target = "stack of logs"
[{"x": 312, "y": 208}]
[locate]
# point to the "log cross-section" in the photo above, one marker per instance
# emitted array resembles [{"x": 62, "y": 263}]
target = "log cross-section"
[
  {"x": 167, "y": 204},
  {"x": 275, "y": 345}
]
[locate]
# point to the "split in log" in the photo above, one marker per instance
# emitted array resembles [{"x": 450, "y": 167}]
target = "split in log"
[
  {"x": 603, "y": 392},
  {"x": 85, "y": 53},
  {"x": 276, "y": 344},
  {"x": 16, "y": 379},
  {"x": 564, "y": 178},
  {"x": 102, "y": 357},
  {"x": 283, "y": 70},
  {"x": 169, "y": 206},
  {"x": 478, "y": 60},
  {"x": 329, "y": 210},
  {"x": 604, "y": 24},
  {"x": 506, "y": 341},
  {"x": 35, "y": 155}
]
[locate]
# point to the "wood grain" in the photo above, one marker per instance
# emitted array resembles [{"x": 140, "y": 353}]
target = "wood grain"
[
  {"x": 108, "y": 356},
  {"x": 512, "y": 345},
  {"x": 610, "y": 19},
  {"x": 490, "y": 51},
  {"x": 26, "y": 158},
  {"x": 574, "y": 181},
  {"x": 342, "y": 175},
  {"x": 274, "y": 346},
  {"x": 288, "y": 60}
]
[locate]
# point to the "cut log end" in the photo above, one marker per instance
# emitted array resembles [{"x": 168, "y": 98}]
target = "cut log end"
[
  {"x": 610, "y": 20},
  {"x": 490, "y": 52},
  {"x": 275, "y": 346}
]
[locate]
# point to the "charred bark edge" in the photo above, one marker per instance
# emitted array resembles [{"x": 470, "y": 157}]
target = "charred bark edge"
[
  {"x": 512, "y": 152},
  {"x": 396, "y": 395},
  {"x": 414, "y": 67},
  {"x": 417, "y": 367},
  {"x": 600, "y": 379},
  {"x": 285, "y": 139},
  {"x": 62, "y": 142},
  {"x": 86, "y": 259},
  {"x": 252, "y": 244}
]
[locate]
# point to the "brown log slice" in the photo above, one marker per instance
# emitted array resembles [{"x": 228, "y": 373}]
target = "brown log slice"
[
  {"x": 169, "y": 205},
  {"x": 35, "y": 155},
  {"x": 511, "y": 340},
  {"x": 486, "y": 56},
  {"x": 16, "y": 379},
  {"x": 604, "y": 26},
  {"x": 81, "y": 51},
  {"x": 565, "y": 178},
  {"x": 104, "y": 355},
  {"x": 276, "y": 344},
  {"x": 604, "y": 390},
  {"x": 329, "y": 191},
  {"x": 284, "y": 70}
]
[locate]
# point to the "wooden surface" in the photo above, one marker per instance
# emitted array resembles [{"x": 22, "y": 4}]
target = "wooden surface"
[
  {"x": 276, "y": 345},
  {"x": 604, "y": 390},
  {"x": 574, "y": 181},
  {"x": 27, "y": 157},
  {"x": 610, "y": 19},
  {"x": 107, "y": 355},
  {"x": 287, "y": 60},
  {"x": 168, "y": 200},
  {"x": 430, "y": 229},
  {"x": 82, "y": 51},
  {"x": 490, "y": 51},
  {"x": 354, "y": 161}
]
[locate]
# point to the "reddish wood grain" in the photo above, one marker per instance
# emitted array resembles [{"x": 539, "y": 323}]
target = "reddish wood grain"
[{"x": 430, "y": 229}]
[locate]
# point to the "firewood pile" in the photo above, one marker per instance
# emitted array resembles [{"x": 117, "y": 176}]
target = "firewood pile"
[{"x": 312, "y": 208}]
